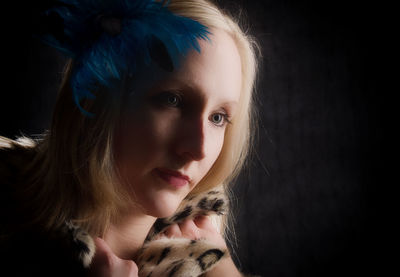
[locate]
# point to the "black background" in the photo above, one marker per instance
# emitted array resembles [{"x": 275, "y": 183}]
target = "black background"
[{"x": 307, "y": 205}]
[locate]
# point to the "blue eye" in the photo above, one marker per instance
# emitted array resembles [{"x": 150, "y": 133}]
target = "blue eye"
[{"x": 219, "y": 119}]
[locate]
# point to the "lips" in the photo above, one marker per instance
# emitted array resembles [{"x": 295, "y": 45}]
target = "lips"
[{"x": 172, "y": 177}]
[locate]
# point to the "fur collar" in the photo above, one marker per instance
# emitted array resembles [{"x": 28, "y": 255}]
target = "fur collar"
[{"x": 167, "y": 256}]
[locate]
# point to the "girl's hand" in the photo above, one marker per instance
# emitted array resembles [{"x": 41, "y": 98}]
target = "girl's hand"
[
  {"x": 201, "y": 227},
  {"x": 106, "y": 264}
]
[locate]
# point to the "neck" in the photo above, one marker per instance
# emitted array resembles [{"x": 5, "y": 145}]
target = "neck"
[{"x": 126, "y": 235}]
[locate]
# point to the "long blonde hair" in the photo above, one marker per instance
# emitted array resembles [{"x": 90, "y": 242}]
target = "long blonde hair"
[{"x": 75, "y": 159}]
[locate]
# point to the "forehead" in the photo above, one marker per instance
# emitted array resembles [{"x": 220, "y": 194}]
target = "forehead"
[{"x": 215, "y": 70}]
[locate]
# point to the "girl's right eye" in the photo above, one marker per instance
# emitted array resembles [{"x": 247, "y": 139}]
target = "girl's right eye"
[{"x": 169, "y": 99}]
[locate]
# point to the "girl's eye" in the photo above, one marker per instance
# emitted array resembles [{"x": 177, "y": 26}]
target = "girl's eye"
[
  {"x": 169, "y": 99},
  {"x": 172, "y": 100},
  {"x": 219, "y": 119}
]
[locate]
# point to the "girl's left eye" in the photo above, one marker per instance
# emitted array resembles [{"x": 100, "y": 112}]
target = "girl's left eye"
[{"x": 219, "y": 119}]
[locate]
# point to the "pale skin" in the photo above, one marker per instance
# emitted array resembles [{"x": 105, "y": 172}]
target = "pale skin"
[{"x": 181, "y": 121}]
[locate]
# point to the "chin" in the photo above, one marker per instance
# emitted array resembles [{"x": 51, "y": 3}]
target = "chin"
[
  {"x": 163, "y": 205},
  {"x": 161, "y": 213}
]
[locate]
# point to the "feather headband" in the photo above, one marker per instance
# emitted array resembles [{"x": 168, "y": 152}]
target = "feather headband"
[{"x": 108, "y": 38}]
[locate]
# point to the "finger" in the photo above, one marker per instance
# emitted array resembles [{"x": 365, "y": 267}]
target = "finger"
[
  {"x": 134, "y": 270},
  {"x": 101, "y": 245},
  {"x": 203, "y": 222},
  {"x": 189, "y": 229},
  {"x": 173, "y": 231},
  {"x": 104, "y": 254},
  {"x": 106, "y": 263},
  {"x": 102, "y": 260},
  {"x": 126, "y": 268}
]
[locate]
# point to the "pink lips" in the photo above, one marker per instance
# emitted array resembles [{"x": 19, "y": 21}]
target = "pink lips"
[{"x": 172, "y": 177}]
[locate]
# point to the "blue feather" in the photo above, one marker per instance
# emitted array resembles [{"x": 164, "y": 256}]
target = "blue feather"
[{"x": 102, "y": 58}]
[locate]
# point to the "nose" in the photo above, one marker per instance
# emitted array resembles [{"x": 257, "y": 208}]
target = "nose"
[{"x": 191, "y": 141}]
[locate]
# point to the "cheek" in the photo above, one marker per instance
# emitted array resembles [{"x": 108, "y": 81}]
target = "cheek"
[
  {"x": 214, "y": 145},
  {"x": 133, "y": 140},
  {"x": 142, "y": 138}
]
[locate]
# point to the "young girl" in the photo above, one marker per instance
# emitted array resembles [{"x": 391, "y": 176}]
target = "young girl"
[{"x": 132, "y": 176}]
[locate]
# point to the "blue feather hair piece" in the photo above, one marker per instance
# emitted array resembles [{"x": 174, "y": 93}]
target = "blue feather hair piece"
[{"x": 108, "y": 38}]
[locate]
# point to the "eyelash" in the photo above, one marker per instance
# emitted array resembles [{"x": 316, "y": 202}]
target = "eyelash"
[
  {"x": 164, "y": 97},
  {"x": 225, "y": 120}
]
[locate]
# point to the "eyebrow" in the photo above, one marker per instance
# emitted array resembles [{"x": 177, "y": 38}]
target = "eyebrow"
[
  {"x": 187, "y": 86},
  {"x": 182, "y": 84}
]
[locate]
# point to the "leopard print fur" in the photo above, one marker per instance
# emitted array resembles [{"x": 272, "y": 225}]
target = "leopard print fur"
[
  {"x": 176, "y": 257},
  {"x": 206, "y": 203},
  {"x": 179, "y": 256},
  {"x": 82, "y": 243}
]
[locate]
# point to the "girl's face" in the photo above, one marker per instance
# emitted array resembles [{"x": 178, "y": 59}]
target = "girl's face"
[{"x": 174, "y": 132}]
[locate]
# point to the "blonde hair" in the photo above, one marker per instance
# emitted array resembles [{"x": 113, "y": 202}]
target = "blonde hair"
[
  {"x": 75, "y": 160},
  {"x": 238, "y": 136}
]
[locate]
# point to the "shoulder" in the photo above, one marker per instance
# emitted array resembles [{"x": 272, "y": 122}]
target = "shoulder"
[
  {"x": 19, "y": 147},
  {"x": 14, "y": 159},
  {"x": 26, "y": 251},
  {"x": 15, "y": 155}
]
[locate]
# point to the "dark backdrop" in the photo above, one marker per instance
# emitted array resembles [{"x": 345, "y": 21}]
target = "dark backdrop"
[{"x": 307, "y": 203}]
